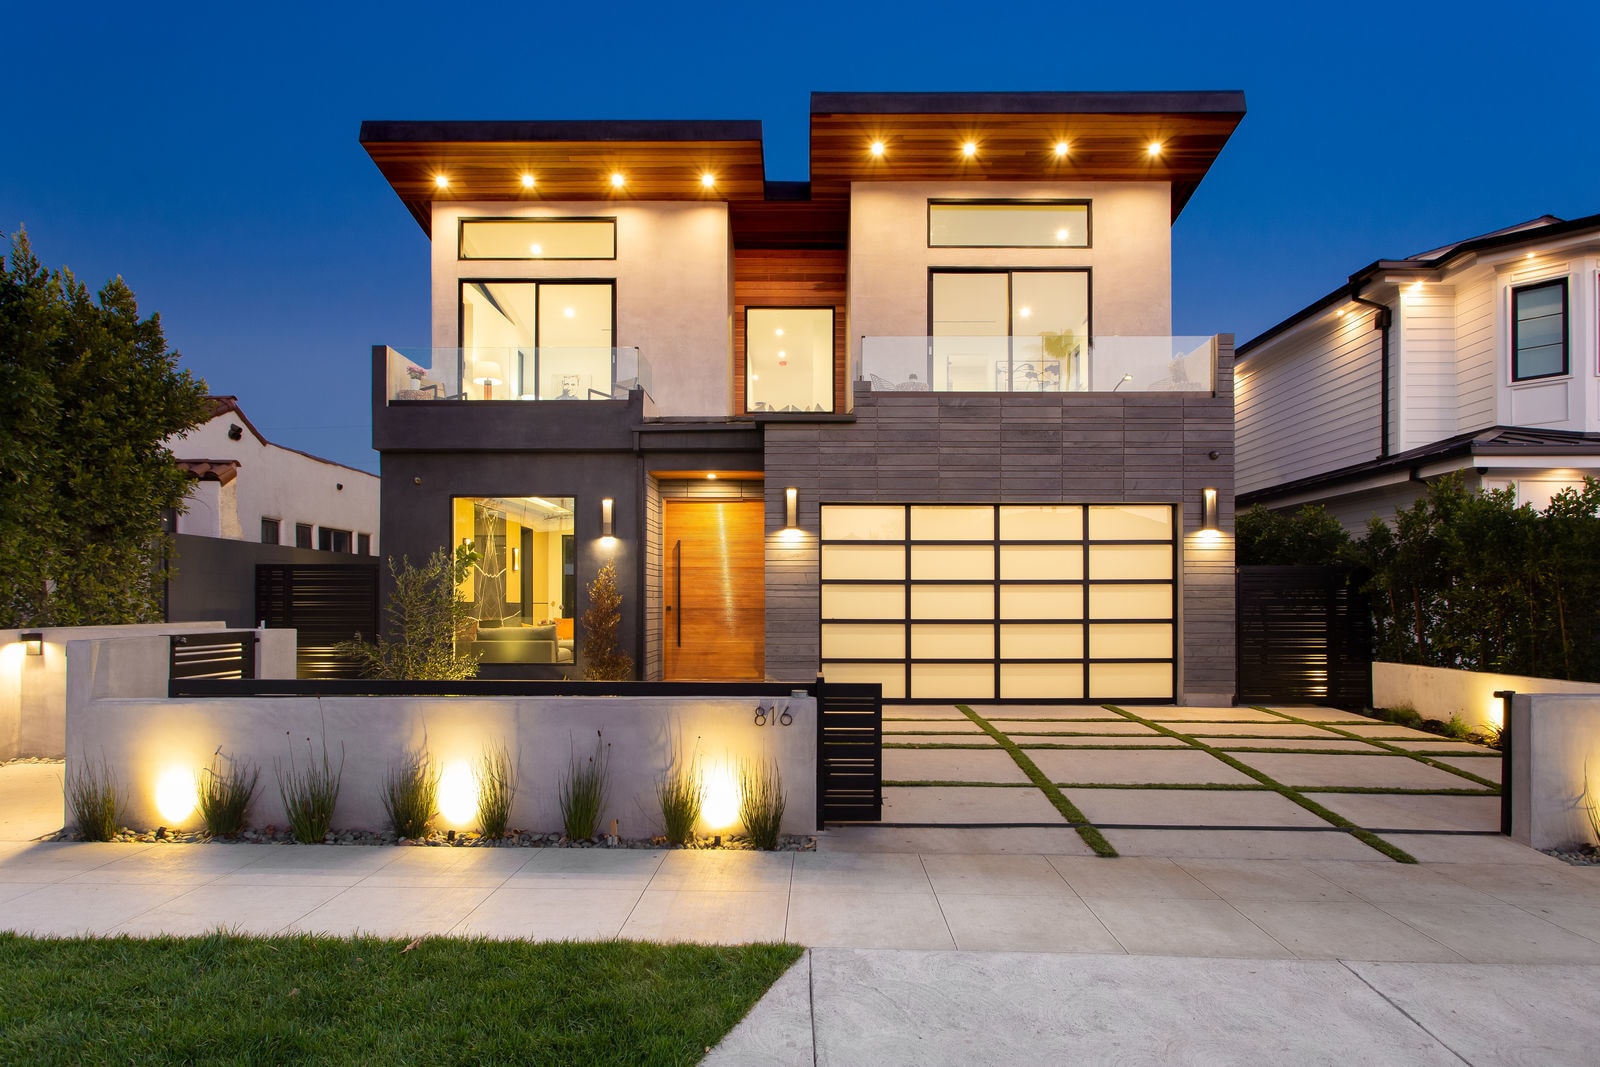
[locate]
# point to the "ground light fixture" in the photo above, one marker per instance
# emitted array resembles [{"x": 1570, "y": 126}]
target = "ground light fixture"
[
  {"x": 1208, "y": 508},
  {"x": 34, "y": 640}
]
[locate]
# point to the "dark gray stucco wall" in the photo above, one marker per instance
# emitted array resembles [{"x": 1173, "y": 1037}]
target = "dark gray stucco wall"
[{"x": 215, "y": 577}]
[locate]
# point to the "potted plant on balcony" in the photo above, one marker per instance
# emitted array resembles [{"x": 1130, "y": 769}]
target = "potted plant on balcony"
[{"x": 1058, "y": 347}]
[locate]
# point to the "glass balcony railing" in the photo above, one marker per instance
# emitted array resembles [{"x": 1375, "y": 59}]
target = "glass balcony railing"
[
  {"x": 516, "y": 373},
  {"x": 1024, "y": 365}
]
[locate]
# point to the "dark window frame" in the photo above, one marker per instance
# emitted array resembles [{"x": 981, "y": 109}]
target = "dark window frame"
[
  {"x": 277, "y": 531},
  {"x": 461, "y": 237},
  {"x": 1566, "y": 330},
  {"x": 329, "y": 537},
  {"x": 833, "y": 347},
  {"x": 303, "y": 535},
  {"x": 363, "y": 544},
  {"x": 1088, "y": 218}
]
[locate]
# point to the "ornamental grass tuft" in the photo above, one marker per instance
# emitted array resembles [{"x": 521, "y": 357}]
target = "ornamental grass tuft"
[
  {"x": 761, "y": 802},
  {"x": 582, "y": 792},
  {"x": 681, "y": 791},
  {"x": 497, "y": 788},
  {"x": 227, "y": 789},
  {"x": 97, "y": 802},
  {"x": 411, "y": 794},
  {"x": 309, "y": 795}
]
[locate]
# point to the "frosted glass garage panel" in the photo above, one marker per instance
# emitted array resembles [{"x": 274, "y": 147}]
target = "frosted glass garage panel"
[
  {"x": 1041, "y": 602},
  {"x": 1043, "y": 522},
  {"x": 1130, "y": 681},
  {"x": 862, "y": 640},
  {"x": 863, "y": 523},
  {"x": 892, "y": 676},
  {"x": 1041, "y": 681},
  {"x": 952, "y": 681},
  {"x": 1131, "y": 641},
  {"x": 1130, "y": 602},
  {"x": 1130, "y": 561},
  {"x": 863, "y": 602},
  {"x": 1046, "y": 640},
  {"x": 952, "y": 602},
  {"x": 936, "y": 562},
  {"x": 957, "y": 523},
  {"x": 952, "y": 641},
  {"x": 1062, "y": 563},
  {"x": 885, "y": 563},
  {"x": 1129, "y": 522}
]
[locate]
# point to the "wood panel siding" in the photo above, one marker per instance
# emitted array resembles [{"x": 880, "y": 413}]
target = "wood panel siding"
[
  {"x": 1425, "y": 346},
  {"x": 713, "y": 558},
  {"x": 1309, "y": 404},
  {"x": 1478, "y": 363},
  {"x": 790, "y": 278}
]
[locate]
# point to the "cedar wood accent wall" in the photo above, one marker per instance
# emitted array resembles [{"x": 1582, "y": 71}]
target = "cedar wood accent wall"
[
  {"x": 791, "y": 277},
  {"x": 1149, "y": 448}
]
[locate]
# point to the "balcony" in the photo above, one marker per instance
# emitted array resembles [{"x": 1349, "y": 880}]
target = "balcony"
[
  {"x": 1038, "y": 365},
  {"x": 514, "y": 373}
]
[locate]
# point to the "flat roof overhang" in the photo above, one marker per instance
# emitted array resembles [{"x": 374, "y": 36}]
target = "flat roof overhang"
[{"x": 1108, "y": 137}]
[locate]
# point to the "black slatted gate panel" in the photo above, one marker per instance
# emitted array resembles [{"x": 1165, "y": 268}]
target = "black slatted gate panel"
[
  {"x": 327, "y": 603},
  {"x": 1304, "y": 637},
  {"x": 849, "y": 752},
  {"x": 231, "y": 655}
]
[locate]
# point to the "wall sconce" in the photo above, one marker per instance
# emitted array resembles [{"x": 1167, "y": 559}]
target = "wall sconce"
[
  {"x": 791, "y": 505},
  {"x": 516, "y": 558},
  {"x": 34, "y": 640},
  {"x": 605, "y": 518},
  {"x": 1208, "y": 508}
]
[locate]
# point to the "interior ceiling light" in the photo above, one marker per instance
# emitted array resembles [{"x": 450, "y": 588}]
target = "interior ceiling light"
[
  {"x": 778, "y": 332},
  {"x": 1024, "y": 312},
  {"x": 783, "y": 358},
  {"x": 527, "y": 181},
  {"x": 877, "y": 148},
  {"x": 617, "y": 180},
  {"x": 1061, "y": 149},
  {"x": 969, "y": 149},
  {"x": 569, "y": 313},
  {"x": 1154, "y": 148},
  {"x": 441, "y": 181},
  {"x": 708, "y": 179},
  {"x": 1061, "y": 234},
  {"x": 536, "y": 250},
  {"x": 711, "y": 477}
]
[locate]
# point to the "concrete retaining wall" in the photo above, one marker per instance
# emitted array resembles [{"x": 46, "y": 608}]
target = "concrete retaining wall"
[
  {"x": 1555, "y": 754},
  {"x": 1438, "y": 692}
]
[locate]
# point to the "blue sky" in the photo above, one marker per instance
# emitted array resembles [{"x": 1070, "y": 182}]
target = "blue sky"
[{"x": 210, "y": 156}]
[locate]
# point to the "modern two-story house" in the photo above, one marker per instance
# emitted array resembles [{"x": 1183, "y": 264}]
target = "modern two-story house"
[
  {"x": 1479, "y": 358},
  {"x": 919, "y": 420}
]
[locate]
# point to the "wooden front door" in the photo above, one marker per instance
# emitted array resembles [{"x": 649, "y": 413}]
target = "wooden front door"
[{"x": 713, "y": 590}]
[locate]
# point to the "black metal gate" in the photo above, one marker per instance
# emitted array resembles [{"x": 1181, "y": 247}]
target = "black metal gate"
[
  {"x": 327, "y": 603},
  {"x": 230, "y": 655},
  {"x": 1304, "y": 637},
  {"x": 849, "y": 752}
]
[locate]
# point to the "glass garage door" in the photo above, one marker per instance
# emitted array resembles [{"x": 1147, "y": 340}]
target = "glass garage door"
[{"x": 1001, "y": 602}]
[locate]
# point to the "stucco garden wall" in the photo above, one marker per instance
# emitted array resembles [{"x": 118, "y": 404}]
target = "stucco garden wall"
[
  {"x": 1438, "y": 692},
  {"x": 1555, "y": 749}
]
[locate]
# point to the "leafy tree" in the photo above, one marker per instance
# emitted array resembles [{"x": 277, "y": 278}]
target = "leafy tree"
[
  {"x": 602, "y": 659},
  {"x": 88, "y": 392},
  {"x": 422, "y": 618},
  {"x": 1308, "y": 537}
]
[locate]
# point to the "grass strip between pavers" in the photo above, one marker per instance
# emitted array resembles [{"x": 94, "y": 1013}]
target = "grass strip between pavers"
[
  {"x": 1069, "y": 811},
  {"x": 934, "y": 744},
  {"x": 918, "y": 783},
  {"x": 1248, "y": 787},
  {"x": 1395, "y": 749},
  {"x": 306, "y": 999},
  {"x": 1366, "y": 837}
]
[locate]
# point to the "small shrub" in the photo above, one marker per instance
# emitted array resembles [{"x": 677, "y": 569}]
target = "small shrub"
[
  {"x": 583, "y": 792},
  {"x": 96, "y": 800},
  {"x": 226, "y": 794},
  {"x": 497, "y": 788},
  {"x": 681, "y": 792},
  {"x": 1493, "y": 735},
  {"x": 1401, "y": 716},
  {"x": 603, "y": 660},
  {"x": 411, "y": 794},
  {"x": 423, "y": 617},
  {"x": 1457, "y": 728},
  {"x": 761, "y": 802},
  {"x": 309, "y": 796}
]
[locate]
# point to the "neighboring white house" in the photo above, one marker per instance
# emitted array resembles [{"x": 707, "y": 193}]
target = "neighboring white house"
[
  {"x": 248, "y": 489},
  {"x": 1480, "y": 357}
]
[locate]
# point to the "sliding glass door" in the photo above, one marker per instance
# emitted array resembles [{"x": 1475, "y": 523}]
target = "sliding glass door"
[{"x": 1009, "y": 330}]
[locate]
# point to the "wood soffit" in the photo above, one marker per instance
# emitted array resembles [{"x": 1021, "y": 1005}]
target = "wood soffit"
[{"x": 1108, "y": 136}]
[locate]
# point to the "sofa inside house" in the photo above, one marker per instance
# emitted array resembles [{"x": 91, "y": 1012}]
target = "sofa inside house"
[{"x": 523, "y": 643}]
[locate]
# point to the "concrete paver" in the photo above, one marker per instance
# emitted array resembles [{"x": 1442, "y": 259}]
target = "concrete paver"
[
  {"x": 30, "y": 800},
  {"x": 954, "y": 805},
  {"x": 1133, "y": 768},
  {"x": 1190, "y": 807},
  {"x": 1308, "y": 771},
  {"x": 1377, "y": 811},
  {"x": 950, "y": 765},
  {"x": 1343, "y": 930},
  {"x": 1301, "y": 844}
]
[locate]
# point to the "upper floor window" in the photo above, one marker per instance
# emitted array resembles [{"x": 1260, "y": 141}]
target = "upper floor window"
[
  {"x": 1017, "y": 330},
  {"x": 330, "y": 540},
  {"x": 537, "y": 340},
  {"x": 302, "y": 535},
  {"x": 538, "y": 239},
  {"x": 1008, "y": 224},
  {"x": 1539, "y": 330},
  {"x": 788, "y": 359},
  {"x": 269, "y": 531}
]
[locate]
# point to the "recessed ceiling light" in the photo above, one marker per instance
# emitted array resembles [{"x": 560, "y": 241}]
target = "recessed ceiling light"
[
  {"x": 1528, "y": 256},
  {"x": 536, "y": 250},
  {"x": 1061, "y": 234},
  {"x": 617, "y": 180},
  {"x": 877, "y": 148},
  {"x": 441, "y": 181},
  {"x": 1025, "y": 312},
  {"x": 711, "y": 477},
  {"x": 708, "y": 179},
  {"x": 755, "y": 377},
  {"x": 969, "y": 149},
  {"x": 570, "y": 313},
  {"x": 1061, "y": 148},
  {"x": 1154, "y": 148},
  {"x": 527, "y": 181},
  {"x": 778, "y": 332}
]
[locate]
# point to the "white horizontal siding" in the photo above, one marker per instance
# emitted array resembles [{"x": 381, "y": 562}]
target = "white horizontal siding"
[
  {"x": 1307, "y": 403},
  {"x": 1477, "y": 350},
  {"x": 1425, "y": 347}
]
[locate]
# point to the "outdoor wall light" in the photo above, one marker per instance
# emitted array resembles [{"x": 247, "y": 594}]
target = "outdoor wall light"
[
  {"x": 1208, "y": 508},
  {"x": 34, "y": 640},
  {"x": 516, "y": 558},
  {"x": 606, "y": 528},
  {"x": 791, "y": 505}
]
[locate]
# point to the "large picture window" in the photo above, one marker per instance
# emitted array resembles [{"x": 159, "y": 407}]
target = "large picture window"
[
  {"x": 538, "y": 239},
  {"x": 1009, "y": 330},
  {"x": 1539, "y": 330},
  {"x": 537, "y": 340},
  {"x": 1008, "y": 224},
  {"x": 788, "y": 359},
  {"x": 523, "y": 588}
]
